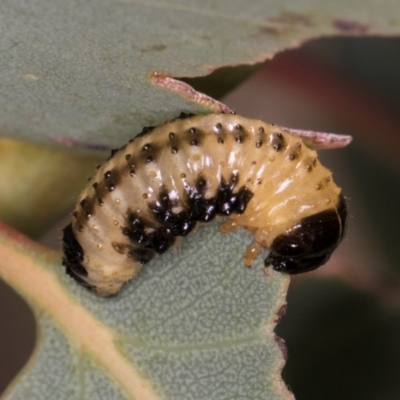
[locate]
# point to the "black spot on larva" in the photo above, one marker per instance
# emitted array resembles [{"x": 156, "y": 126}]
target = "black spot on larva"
[
  {"x": 239, "y": 138},
  {"x": 87, "y": 208},
  {"x": 146, "y": 234},
  {"x": 217, "y": 127},
  {"x": 243, "y": 197},
  {"x": 310, "y": 163},
  {"x": 140, "y": 254},
  {"x": 292, "y": 156},
  {"x": 149, "y": 153},
  {"x": 310, "y": 243},
  {"x": 201, "y": 184},
  {"x": 195, "y": 137},
  {"x": 136, "y": 253},
  {"x": 111, "y": 179},
  {"x": 179, "y": 223},
  {"x": 259, "y": 143},
  {"x": 175, "y": 141},
  {"x": 202, "y": 209},
  {"x": 185, "y": 115},
  {"x": 95, "y": 185},
  {"x": 145, "y": 131},
  {"x": 112, "y": 154},
  {"x": 72, "y": 251},
  {"x": 277, "y": 141},
  {"x": 220, "y": 133},
  {"x": 75, "y": 214},
  {"x": 119, "y": 247},
  {"x": 146, "y": 147},
  {"x": 130, "y": 166},
  {"x": 226, "y": 200},
  {"x": 73, "y": 256},
  {"x": 240, "y": 134}
]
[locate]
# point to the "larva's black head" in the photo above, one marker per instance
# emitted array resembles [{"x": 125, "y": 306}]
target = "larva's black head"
[{"x": 310, "y": 243}]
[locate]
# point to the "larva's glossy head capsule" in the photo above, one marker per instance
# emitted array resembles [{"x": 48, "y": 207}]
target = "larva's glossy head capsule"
[{"x": 310, "y": 243}]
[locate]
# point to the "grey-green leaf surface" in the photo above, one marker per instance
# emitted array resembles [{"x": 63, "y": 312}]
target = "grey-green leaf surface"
[
  {"x": 195, "y": 323},
  {"x": 80, "y": 72}
]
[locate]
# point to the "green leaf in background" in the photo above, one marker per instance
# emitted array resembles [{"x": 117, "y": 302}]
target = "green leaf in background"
[{"x": 39, "y": 183}]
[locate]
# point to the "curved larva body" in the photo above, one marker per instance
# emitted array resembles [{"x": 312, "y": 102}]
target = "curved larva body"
[{"x": 189, "y": 170}]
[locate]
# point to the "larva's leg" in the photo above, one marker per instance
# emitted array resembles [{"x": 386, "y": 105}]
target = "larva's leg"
[
  {"x": 251, "y": 253},
  {"x": 229, "y": 226}
]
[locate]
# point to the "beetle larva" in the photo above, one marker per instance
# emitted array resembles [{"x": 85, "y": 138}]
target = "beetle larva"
[{"x": 190, "y": 170}]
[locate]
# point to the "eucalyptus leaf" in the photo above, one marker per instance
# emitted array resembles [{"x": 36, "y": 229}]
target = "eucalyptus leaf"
[
  {"x": 194, "y": 324},
  {"x": 82, "y": 72}
]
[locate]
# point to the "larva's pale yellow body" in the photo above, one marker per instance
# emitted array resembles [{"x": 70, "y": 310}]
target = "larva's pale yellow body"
[{"x": 189, "y": 170}]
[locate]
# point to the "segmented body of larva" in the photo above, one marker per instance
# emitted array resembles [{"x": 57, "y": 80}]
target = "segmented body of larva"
[{"x": 189, "y": 170}]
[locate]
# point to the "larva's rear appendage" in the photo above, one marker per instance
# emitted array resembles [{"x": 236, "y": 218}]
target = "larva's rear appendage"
[
  {"x": 251, "y": 253},
  {"x": 193, "y": 169}
]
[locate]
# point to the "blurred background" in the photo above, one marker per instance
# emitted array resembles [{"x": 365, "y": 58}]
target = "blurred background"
[{"x": 342, "y": 326}]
